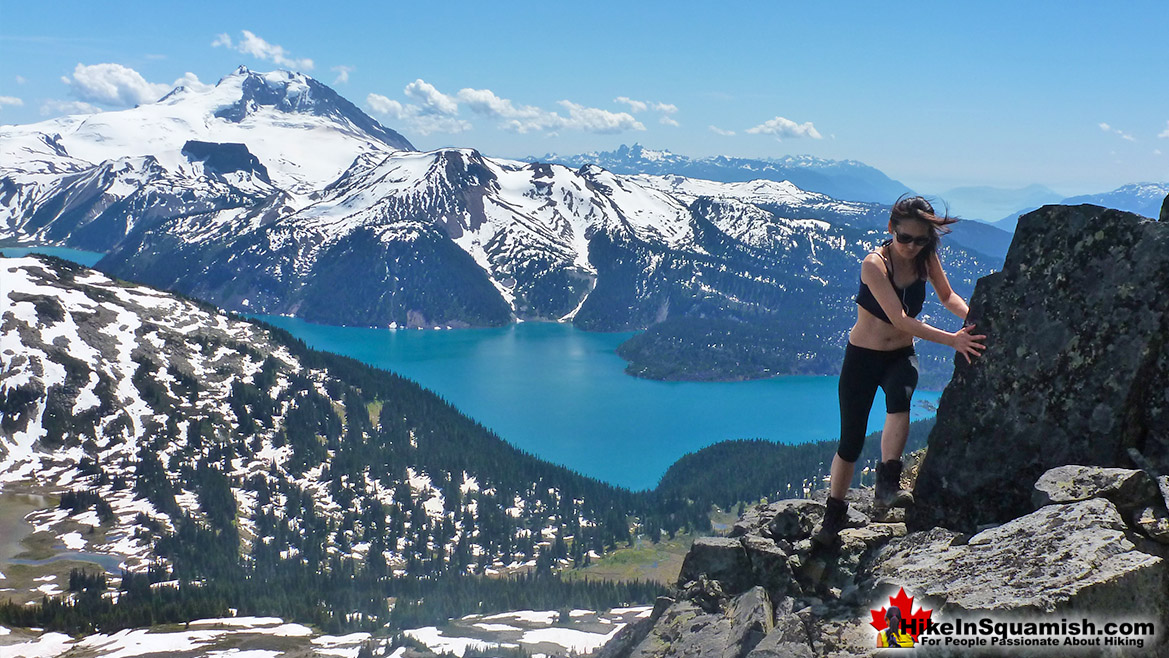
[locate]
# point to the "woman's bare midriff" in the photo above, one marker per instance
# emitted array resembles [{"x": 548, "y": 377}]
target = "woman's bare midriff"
[{"x": 872, "y": 333}]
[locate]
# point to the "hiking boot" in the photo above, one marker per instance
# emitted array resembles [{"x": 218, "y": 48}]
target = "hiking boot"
[
  {"x": 835, "y": 519},
  {"x": 889, "y": 493}
]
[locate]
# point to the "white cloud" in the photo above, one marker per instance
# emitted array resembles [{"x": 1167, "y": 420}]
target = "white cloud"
[
  {"x": 781, "y": 127},
  {"x": 596, "y": 120},
  {"x": 416, "y": 117},
  {"x": 59, "y": 108},
  {"x": 112, "y": 84},
  {"x": 642, "y": 106},
  {"x": 1120, "y": 133},
  {"x": 10, "y": 100},
  {"x": 666, "y": 109},
  {"x": 1165, "y": 133},
  {"x": 342, "y": 74},
  {"x": 434, "y": 111},
  {"x": 1156, "y": 151},
  {"x": 261, "y": 49},
  {"x": 719, "y": 131},
  {"x": 634, "y": 106},
  {"x": 432, "y": 99},
  {"x": 385, "y": 106},
  {"x": 20, "y": 80},
  {"x": 522, "y": 119},
  {"x": 484, "y": 101}
]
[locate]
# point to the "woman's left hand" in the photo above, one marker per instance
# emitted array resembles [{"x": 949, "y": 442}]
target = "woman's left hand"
[{"x": 968, "y": 344}]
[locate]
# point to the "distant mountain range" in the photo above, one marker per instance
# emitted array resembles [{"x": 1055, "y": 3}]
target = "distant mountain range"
[
  {"x": 1141, "y": 198},
  {"x": 840, "y": 179},
  {"x": 270, "y": 194}
]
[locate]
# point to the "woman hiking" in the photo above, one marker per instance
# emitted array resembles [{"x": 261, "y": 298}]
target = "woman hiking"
[{"x": 880, "y": 351}]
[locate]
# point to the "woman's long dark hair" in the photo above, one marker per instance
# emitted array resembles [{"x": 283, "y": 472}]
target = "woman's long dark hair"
[
  {"x": 893, "y": 619},
  {"x": 918, "y": 208}
]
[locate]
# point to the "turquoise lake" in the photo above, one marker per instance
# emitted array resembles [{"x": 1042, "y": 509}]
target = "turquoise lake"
[
  {"x": 86, "y": 258},
  {"x": 562, "y": 394}
]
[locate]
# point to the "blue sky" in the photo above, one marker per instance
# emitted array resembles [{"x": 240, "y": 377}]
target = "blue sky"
[{"x": 1072, "y": 95}]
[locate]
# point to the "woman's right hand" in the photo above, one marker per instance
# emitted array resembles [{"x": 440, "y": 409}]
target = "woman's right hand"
[{"x": 966, "y": 343}]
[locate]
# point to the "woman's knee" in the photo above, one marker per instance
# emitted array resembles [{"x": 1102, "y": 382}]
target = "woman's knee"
[{"x": 850, "y": 451}]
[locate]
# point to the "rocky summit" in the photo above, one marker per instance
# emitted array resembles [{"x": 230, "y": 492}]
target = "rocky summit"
[
  {"x": 1042, "y": 496},
  {"x": 1076, "y": 369}
]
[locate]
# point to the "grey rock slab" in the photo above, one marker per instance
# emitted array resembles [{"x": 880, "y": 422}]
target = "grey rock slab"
[
  {"x": 771, "y": 566},
  {"x": 794, "y": 519},
  {"x": 1075, "y": 371},
  {"x": 718, "y": 558},
  {"x": 633, "y": 634},
  {"x": 1127, "y": 488},
  {"x": 752, "y": 618},
  {"x": 789, "y": 639},
  {"x": 687, "y": 631},
  {"x": 1061, "y": 557}
]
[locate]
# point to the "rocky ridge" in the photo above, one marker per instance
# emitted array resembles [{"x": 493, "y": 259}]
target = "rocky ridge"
[{"x": 1057, "y": 536}]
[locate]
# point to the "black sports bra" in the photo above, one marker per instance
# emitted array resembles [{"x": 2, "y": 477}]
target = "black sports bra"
[{"x": 912, "y": 296}]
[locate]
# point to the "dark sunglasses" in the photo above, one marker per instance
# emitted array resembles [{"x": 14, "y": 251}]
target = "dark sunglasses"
[{"x": 920, "y": 240}]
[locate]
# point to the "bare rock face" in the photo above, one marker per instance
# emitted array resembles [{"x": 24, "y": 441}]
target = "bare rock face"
[
  {"x": 754, "y": 596},
  {"x": 686, "y": 629},
  {"x": 1126, "y": 488},
  {"x": 1079, "y": 556},
  {"x": 1076, "y": 369}
]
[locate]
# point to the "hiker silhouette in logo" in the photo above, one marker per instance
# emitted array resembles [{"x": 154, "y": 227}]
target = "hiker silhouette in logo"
[
  {"x": 893, "y": 636},
  {"x": 880, "y": 352}
]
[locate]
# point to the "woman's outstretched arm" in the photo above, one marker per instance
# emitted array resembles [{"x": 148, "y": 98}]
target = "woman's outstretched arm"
[{"x": 946, "y": 295}]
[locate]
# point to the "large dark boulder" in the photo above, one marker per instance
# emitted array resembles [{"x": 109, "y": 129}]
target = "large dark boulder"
[{"x": 1076, "y": 369}]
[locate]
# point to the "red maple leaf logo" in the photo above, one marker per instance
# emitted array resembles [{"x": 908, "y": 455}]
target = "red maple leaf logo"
[{"x": 913, "y": 622}]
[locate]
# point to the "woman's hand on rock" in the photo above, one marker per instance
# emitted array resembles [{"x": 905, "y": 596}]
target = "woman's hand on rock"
[{"x": 968, "y": 344}]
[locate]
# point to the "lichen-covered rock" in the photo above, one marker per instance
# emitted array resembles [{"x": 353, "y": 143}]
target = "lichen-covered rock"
[
  {"x": 1061, "y": 557},
  {"x": 1126, "y": 488},
  {"x": 1075, "y": 371},
  {"x": 1154, "y": 522},
  {"x": 754, "y": 519},
  {"x": 771, "y": 566},
  {"x": 753, "y": 617},
  {"x": 872, "y": 534},
  {"x": 718, "y": 558},
  {"x": 794, "y": 519},
  {"x": 687, "y": 631},
  {"x": 633, "y": 634},
  {"x": 789, "y": 639}
]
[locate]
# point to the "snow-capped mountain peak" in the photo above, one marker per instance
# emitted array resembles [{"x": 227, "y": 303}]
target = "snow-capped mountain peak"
[{"x": 303, "y": 132}]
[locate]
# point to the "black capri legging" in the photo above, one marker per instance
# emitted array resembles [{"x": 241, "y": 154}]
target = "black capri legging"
[{"x": 863, "y": 371}]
